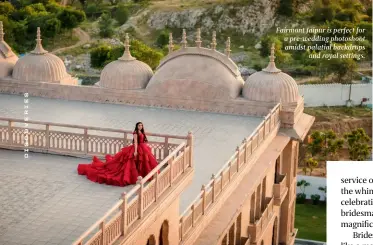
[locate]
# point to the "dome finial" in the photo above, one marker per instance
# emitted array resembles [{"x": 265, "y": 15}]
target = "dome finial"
[
  {"x": 272, "y": 56},
  {"x": 184, "y": 39},
  {"x": 213, "y": 44},
  {"x": 228, "y": 47},
  {"x": 127, "y": 54},
  {"x": 198, "y": 41},
  {"x": 271, "y": 65},
  {"x": 170, "y": 44},
  {"x": 39, "y": 48},
  {"x": 1, "y": 32}
]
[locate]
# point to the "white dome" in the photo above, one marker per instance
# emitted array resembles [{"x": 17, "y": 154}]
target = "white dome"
[
  {"x": 7, "y": 58},
  {"x": 271, "y": 85},
  {"x": 40, "y": 66}
]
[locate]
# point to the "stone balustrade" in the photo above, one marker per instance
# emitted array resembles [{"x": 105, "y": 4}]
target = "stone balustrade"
[
  {"x": 175, "y": 159},
  {"x": 123, "y": 215},
  {"x": 211, "y": 192},
  {"x": 260, "y": 224},
  {"x": 76, "y": 140}
]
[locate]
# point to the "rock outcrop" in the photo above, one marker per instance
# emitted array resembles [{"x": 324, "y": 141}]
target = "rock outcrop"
[{"x": 254, "y": 18}]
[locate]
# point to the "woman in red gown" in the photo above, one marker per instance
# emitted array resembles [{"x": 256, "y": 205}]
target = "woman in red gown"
[{"x": 125, "y": 166}]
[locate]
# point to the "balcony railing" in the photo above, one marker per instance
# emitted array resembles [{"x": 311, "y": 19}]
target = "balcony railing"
[
  {"x": 175, "y": 159},
  {"x": 124, "y": 214},
  {"x": 76, "y": 140},
  {"x": 279, "y": 188},
  {"x": 211, "y": 192},
  {"x": 256, "y": 229}
]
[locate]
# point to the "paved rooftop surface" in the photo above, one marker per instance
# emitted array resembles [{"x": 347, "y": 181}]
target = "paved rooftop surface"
[{"x": 46, "y": 202}]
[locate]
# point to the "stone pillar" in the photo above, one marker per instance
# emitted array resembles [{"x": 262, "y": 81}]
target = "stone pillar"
[
  {"x": 289, "y": 167},
  {"x": 252, "y": 209},
  {"x": 264, "y": 194},
  {"x": 258, "y": 202}
]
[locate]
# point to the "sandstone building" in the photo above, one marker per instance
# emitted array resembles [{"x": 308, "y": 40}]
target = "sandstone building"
[{"x": 231, "y": 180}]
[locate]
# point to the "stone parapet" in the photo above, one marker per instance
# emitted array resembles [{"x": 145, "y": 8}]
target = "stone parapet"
[{"x": 239, "y": 106}]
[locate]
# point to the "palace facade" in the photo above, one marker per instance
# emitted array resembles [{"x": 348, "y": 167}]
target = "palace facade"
[{"x": 231, "y": 180}]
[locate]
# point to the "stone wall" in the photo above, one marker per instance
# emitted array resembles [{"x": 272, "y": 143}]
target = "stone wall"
[
  {"x": 238, "y": 106},
  {"x": 335, "y": 94}
]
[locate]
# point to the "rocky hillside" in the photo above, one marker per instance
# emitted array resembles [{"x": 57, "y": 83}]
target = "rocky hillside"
[
  {"x": 239, "y": 17},
  {"x": 253, "y": 18}
]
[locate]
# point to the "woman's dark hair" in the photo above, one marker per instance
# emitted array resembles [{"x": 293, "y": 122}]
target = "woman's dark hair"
[{"x": 142, "y": 131}]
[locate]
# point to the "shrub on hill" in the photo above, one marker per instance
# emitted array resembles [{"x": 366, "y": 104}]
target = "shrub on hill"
[
  {"x": 104, "y": 54},
  {"x": 21, "y": 18},
  {"x": 121, "y": 14}
]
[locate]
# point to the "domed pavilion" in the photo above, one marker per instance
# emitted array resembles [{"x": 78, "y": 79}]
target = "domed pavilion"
[
  {"x": 125, "y": 73},
  {"x": 7, "y": 58},
  {"x": 271, "y": 85},
  {"x": 197, "y": 73},
  {"x": 41, "y": 66}
]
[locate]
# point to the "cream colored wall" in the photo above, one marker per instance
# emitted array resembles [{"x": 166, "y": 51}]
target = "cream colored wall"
[
  {"x": 246, "y": 208},
  {"x": 271, "y": 178},
  {"x": 171, "y": 216},
  {"x": 267, "y": 235},
  {"x": 245, "y": 212}
]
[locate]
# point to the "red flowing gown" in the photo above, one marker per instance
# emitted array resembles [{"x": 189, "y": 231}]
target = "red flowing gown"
[{"x": 123, "y": 168}]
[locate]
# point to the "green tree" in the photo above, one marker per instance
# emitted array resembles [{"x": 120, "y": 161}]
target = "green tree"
[
  {"x": 29, "y": 11},
  {"x": 104, "y": 54},
  {"x": 322, "y": 13},
  {"x": 358, "y": 147},
  {"x": 48, "y": 23},
  {"x": 281, "y": 57},
  {"x": 106, "y": 25},
  {"x": 368, "y": 30},
  {"x": 146, "y": 54},
  {"x": 350, "y": 15},
  {"x": 44, "y": 2},
  {"x": 6, "y": 8},
  {"x": 342, "y": 68},
  {"x": 16, "y": 35},
  {"x": 38, "y": 7},
  {"x": 286, "y": 7},
  {"x": 83, "y": 3},
  {"x": 327, "y": 144},
  {"x": 163, "y": 38},
  {"x": 53, "y": 7},
  {"x": 121, "y": 14},
  {"x": 92, "y": 10},
  {"x": 70, "y": 18},
  {"x": 100, "y": 55},
  {"x": 312, "y": 164}
]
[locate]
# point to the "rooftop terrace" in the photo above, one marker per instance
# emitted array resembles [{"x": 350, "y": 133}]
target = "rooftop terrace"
[{"x": 54, "y": 186}]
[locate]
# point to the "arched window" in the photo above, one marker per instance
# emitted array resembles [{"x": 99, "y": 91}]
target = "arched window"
[
  {"x": 163, "y": 234},
  {"x": 151, "y": 240}
]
